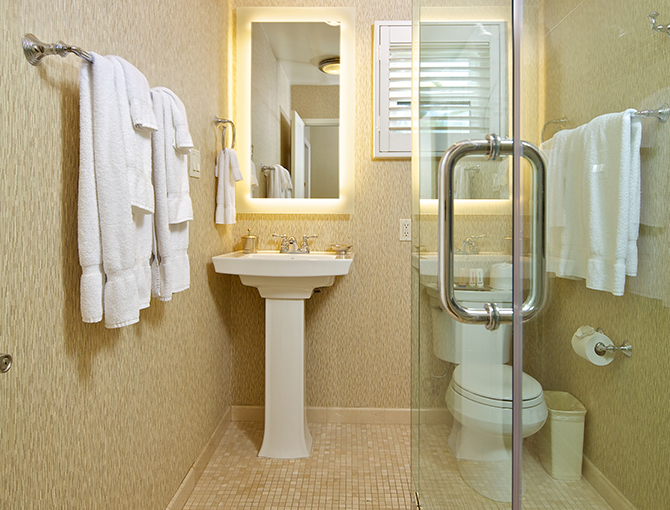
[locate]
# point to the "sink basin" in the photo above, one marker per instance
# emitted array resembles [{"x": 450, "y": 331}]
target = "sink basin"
[
  {"x": 285, "y": 280},
  {"x": 284, "y": 275}
]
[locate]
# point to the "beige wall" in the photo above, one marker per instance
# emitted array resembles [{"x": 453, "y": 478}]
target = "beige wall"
[
  {"x": 592, "y": 69},
  {"x": 358, "y": 331},
  {"x": 96, "y": 418}
]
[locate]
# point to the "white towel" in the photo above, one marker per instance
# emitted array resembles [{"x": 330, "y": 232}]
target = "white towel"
[
  {"x": 139, "y": 96},
  {"x": 121, "y": 306},
  {"x": 180, "y": 208},
  {"x": 161, "y": 267},
  {"x": 272, "y": 189},
  {"x": 137, "y": 144},
  {"x": 171, "y": 269},
  {"x": 594, "y": 201},
  {"x": 88, "y": 228},
  {"x": 461, "y": 182},
  {"x": 254, "y": 174},
  {"x": 285, "y": 184},
  {"x": 228, "y": 172}
]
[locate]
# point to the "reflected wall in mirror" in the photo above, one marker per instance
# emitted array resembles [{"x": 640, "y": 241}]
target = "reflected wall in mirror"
[{"x": 294, "y": 115}]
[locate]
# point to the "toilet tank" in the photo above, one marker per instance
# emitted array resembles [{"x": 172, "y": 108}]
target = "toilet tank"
[{"x": 460, "y": 343}]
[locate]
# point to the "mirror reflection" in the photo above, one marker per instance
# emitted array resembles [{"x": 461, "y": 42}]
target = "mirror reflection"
[
  {"x": 295, "y": 105},
  {"x": 463, "y": 95}
]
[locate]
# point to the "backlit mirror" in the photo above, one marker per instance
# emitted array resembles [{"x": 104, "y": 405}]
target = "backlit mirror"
[{"x": 295, "y": 117}]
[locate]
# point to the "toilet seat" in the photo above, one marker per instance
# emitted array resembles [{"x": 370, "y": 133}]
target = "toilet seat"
[{"x": 491, "y": 385}]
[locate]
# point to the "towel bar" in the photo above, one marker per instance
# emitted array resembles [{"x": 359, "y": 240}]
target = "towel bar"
[{"x": 35, "y": 50}]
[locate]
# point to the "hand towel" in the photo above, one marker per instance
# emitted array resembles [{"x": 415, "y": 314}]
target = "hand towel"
[
  {"x": 88, "y": 229},
  {"x": 228, "y": 172},
  {"x": 594, "y": 201},
  {"x": 137, "y": 144},
  {"x": 117, "y": 230},
  {"x": 461, "y": 182}
]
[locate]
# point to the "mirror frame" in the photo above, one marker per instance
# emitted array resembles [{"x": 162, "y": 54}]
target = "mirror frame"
[{"x": 245, "y": 202}]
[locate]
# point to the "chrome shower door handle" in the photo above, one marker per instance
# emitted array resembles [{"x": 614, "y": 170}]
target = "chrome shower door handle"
[{"x": 492, "y": 315}]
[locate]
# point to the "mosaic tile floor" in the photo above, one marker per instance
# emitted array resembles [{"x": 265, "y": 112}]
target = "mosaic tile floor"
[
  {"x": 363, "y": 467},
  {"x": 442, "y": 485},
  {"x": 357, "y": 467}
]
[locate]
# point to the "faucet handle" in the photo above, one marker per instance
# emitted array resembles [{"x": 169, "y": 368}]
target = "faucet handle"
[
  {"x": 304, "y": 246},
  {"x": 284, "y": 242}
]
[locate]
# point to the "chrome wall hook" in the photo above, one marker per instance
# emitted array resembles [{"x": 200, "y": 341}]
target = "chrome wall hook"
[{"x": 658, "y": 28}]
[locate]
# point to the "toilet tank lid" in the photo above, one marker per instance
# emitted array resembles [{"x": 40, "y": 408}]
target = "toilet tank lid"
[{"x": 494, "y": 381}]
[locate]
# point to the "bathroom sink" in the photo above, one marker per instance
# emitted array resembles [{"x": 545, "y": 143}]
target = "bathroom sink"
[
  {"x": 285, "y": 280},
  {"x": 284, "y": 275},
  {"x": 272, "y": 263}
]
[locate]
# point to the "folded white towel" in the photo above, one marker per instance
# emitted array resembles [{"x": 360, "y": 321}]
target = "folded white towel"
[
  {"x": 121, "y": 306},
  {"x": 594, "y": 201},
  {"x": 171, "y": 271},
  {"x": 137, "y": 144},
  {"x": 88, "y": 228},
  {"x": 139, "y": 96},
  {"x": 177, "y": 137},
  {"x": 228, "y": 172}
]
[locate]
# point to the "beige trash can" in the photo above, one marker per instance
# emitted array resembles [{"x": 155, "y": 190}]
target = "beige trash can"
[{"x": 561, "y": 440}]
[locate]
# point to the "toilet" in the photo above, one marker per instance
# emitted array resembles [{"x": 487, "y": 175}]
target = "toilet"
[{"x": 479, "y": 395}]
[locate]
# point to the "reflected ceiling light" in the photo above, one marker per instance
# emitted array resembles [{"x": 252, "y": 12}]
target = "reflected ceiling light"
[
  {"x": 330, "y": 65},
  {"x": 333, "y": 23}
]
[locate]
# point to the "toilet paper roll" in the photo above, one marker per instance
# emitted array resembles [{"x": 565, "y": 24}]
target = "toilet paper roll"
[{"x": 584, "y": 344}]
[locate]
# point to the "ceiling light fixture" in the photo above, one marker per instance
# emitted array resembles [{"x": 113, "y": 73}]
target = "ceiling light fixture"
[{"x": 330, "y": 65}]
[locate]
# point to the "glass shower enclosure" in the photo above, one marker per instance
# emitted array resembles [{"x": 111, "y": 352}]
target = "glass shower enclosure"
[{"x": 542, "y": 228}]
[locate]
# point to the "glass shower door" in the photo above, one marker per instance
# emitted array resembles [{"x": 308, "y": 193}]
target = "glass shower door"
[{"x": 559, "y": 70}]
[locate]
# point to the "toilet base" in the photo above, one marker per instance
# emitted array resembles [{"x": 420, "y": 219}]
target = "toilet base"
[{"x": 468, "y": 443}]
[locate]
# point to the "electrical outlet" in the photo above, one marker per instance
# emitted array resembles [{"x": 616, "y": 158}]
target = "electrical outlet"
[
  {"x": 194, "y": 163},
  {"x": 405, "y": 230}
]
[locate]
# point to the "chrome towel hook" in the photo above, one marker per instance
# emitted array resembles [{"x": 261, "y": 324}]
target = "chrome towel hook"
[{"x": 658, "y": 28}]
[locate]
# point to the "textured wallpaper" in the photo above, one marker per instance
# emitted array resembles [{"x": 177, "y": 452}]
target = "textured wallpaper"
[
  {"x": 94, "y": 418},
  {"x": 592, "y": 70},
  {"x": 358, "y": 331}
]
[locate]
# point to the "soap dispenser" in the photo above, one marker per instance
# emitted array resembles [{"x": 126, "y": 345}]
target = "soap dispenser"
[{"x": 249, "y": 242}]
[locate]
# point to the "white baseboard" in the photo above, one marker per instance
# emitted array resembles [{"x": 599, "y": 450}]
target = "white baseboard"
[
  {"x": 332, "y": 415},
  {"x": 195, "y": 472},
  {"x": 604, "y": 487}
]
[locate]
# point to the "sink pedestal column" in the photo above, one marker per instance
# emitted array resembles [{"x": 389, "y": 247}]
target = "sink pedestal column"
[{"x": 286, "y": 434}]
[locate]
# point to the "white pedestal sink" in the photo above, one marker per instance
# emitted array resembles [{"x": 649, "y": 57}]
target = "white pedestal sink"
[{"x": 285, "y": 280}]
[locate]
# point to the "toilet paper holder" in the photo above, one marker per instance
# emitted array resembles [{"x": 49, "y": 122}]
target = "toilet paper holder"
[{"x": 625, "y": 348}]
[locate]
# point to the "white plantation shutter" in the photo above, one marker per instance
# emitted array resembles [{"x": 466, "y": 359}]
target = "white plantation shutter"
[{"x": 462, "y": 85}]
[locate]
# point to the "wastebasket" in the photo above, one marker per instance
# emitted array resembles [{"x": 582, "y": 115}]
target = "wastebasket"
[{"x": 561, "y": 440}]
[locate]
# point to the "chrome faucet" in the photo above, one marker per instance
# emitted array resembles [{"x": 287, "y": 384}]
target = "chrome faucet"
[
  {"x": 469, "y": 245},
  {"x": 289, "y": 244}
]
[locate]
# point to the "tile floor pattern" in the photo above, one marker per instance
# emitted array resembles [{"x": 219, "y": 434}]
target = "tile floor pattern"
[
  {"x": 363, "y": 467},
  {"x": 442, "y": 486},
  {"x": 357, "y": 467}
]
